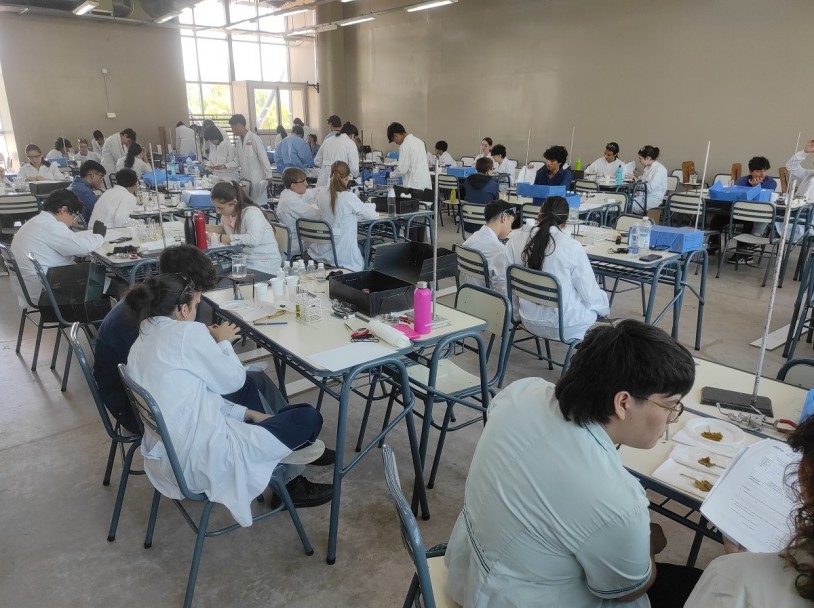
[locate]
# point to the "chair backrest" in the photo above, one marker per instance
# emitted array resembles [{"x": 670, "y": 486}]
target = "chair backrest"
[
  {"x": 141, "y": 270},
  {"x": 271, "y": 216},
  {"x": 724, "y": 178},
  {"x": 743, "y": 211},
  {"x": 620, "y": 197},
  {"x": 685, "y": 204},
  {"x": 492, "y": 307},
  {"x": 736, "y": 171},
  {"x": 672, "y": 183},
  {"x": 10, "y": 263},
  {"x": 473, "y": 263},
  {"x": 468, "y": 161},
  {"x": 585, "y": 185},
  {"x": 276, "y": 178},
  {"x": 687, "y": 169},
  {"x": 624, "y": 222},
  {"x": 799, "y": 372},
  {"x": 784, "y": 179},
  {"x": 315, "y": 231},
  {"x": 472, "y": 214},
  {"x": 531, "y": 211},
  {"x": 149, "y": 415},
  {"x": 535, "y": 286},
  {"x": 19, "y": 207},
  {"x": 447, "y": 182},
  {"x": 410, "y": 532},
  {"x": 283, "y": 235},
  {"x": 46, "y": 286}
]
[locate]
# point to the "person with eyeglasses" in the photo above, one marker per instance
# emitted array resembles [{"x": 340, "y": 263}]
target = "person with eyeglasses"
[
  {"x": 48, "y": 236},
  {"x": 84, "y": 185},
  {"x": 38, "y": 169},
  {"x": 226, "y": 450},
  {"x": 296, "y": 201},
  {"x": 488, "y": 240},
  {"x": 551, "y": 517}
]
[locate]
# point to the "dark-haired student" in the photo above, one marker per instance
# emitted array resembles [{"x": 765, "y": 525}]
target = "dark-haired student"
[
  {"x": 488, "y": 240},
  {"x": 608, "y": 164},
  {"x": 116, "y": 204},
  {"x": 85, "y": 184},
  {"x": 135, "y": 159},
  {"x": 655, "y": 176},
  {"x": 481, "y": 187},
  {"x": 444, "y": 157},
  {"x": 551, "y": 517},
  {"x": 548, "y": 247},
  {"x": 38, "y": 169},
  {"x": 115, "y": 147},
  {"x": 501, "y": 163},
  {"x": 98, "y": 142},
  {"x": 554, "y": 172},
  {"x": 485, "y": 149}
]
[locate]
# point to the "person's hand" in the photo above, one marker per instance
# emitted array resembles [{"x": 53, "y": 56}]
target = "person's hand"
[
  {"x": 754, "y": 181},
  {"x": 224, "y": 331},
  {"x": 214, "y": 228},
  {"x": 226, "y": 239},
  {"x": 657, "y": 539},
  {"x": 221, "y": 166},
  {"x": 255, "y": 417},
  {"x": 809, "y": 146},
  {"x": 39, "y": 178}
]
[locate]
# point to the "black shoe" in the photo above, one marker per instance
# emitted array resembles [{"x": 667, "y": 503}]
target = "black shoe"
[
  {"x": 305, "y": 493},
  {"x": 327, "y": 459},
  {"x": 741, "y": 258}
]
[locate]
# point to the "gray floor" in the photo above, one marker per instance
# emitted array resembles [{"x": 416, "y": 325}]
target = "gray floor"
[{"x": 54, "y": 511}]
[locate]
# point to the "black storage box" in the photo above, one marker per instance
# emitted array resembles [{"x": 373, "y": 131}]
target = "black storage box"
[
  {"x": 412, "y": 261},
  {"x": 403, "y": 205},
  {"x": 372, "y": 292}
]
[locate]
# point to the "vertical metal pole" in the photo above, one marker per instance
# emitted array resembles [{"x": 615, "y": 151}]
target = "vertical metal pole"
[
  {"x": 435, "y": 206},
  {"x": 158, "y": 200},
  {"x": 701, "y": 187}
]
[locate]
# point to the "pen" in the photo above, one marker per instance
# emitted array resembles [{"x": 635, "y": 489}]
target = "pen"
[{"x": 273, "y": 323}]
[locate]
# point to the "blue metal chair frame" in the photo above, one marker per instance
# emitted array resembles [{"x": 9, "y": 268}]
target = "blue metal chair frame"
[
  {"x": 149, "y": 415},
  {"x": 315, "y": 231},
  {"x": 472, "y": 263}
]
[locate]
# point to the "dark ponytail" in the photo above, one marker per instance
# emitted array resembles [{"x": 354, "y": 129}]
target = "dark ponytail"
[
  {"x": 649, "y": 152},
  {"x": 554, "y": 212},
  {"x": 160, "y": 296},
  {"x": 231, "y": 191},
  {"x": 133, "y": 151}
]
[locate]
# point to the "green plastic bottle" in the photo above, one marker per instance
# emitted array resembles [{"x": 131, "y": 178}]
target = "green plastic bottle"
[{"x": 578, "y": 165}]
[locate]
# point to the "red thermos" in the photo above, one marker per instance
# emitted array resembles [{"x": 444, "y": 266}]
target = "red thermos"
[{"x": 200, "y": 230}]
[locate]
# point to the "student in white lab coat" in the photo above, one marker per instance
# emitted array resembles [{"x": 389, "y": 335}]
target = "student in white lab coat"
[
  {"x": 336, "y": 148},
  {"x": 85, "y": 153},
  {"x": 655, "y": 176},
  {"x": 485, "y": 149},
  {"x": 608, "y": 164},
  {"x": 488, "y": 240},
  {"x": 334, "y": 126},
  {"x": 222, "y": 159},
  {"x": 135, "y": 159},
  {"x": 502, "y": 165},
  {"x": 803, "y": 177},
  {"x": 116, "y": 204},
  {"x": 548, "y": 247},
  {"x": 98, "y": 142},
  {"x": 252, "y": 159},
  {"x": 185, "y": 139},
  {"x": 244, "y": 223},
  {"x": 37, "y": 169},
  {"x": 444, "y": 157},
  {"x": 342, "y": 210},
  {"x": 115, "y": 147},
  {"x": 187, "y": 367},
  {"x": 412, "y": 167},
  {"x": 296, "y": 201},
  {"x": 63, "y": 148},
  {"x": 281, "y": 135}
]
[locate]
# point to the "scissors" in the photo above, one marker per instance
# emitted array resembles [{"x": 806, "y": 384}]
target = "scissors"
[{"x": 361, "y": 335}]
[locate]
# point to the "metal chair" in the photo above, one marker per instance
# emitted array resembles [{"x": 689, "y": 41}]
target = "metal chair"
[
  {"x": 316, "y": 232},
  {"x": 672, "y": 182},
  {"x": 30, "y": 310},
  {"x": 430, "y": 578},
  {"x": 468, "y": 161},
  {"x": 724, "y": 178},
  {"x": 18, "y": 208},
  {"x": 149, "y": 415},
  {"x": 141, "y": 270},
  {"x": 276, "y": 184},
  {"x": 542, "y": 288},
  {"x": 449, "y": 184},
  {"x": 472, "y": 263},
  {"x": 743, "y": 211},
  {"x": 530, "y": 211},
  {"x": 799, "y": 372},
  {"x": 117, "y": 439},
  {"x": 283, "y": 236},
  {"x": 472, "y": 214},
  {"x": 585, "y": 185},
  {"x": 688, "y": 206}
]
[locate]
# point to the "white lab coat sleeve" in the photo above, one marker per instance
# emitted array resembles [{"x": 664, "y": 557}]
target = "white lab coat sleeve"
[
  {"x": 586, "y": 286},
  {"x": 498, "y": 265},
  {"x": 318, "y": 157},
  {"x": 215, "y": 363},
  {"x": 56, "y": 174},
  {"x": 310, "y": 196},
  {"x": 253, "y": 229},
  {"x": 795, "y": 167},
  {"x": 231, "y": 157},
  {"x": 66, "y": 242},
  {"x": 233, "y": 410},
  {"x": 260, "y": 151},
  {"x": 353, "y": 158},
  {"x": 363, "y": 211}
]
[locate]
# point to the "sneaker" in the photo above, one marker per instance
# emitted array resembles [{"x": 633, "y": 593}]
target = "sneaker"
[
  {"x": 327, "y": 459},
  {"x": 305, "y": 494},
  {"x": 740, "y": 258}
]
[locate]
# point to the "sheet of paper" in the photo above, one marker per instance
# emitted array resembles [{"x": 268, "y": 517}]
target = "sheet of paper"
[
  {"x": 349, "y": 355},
  {"x": 751, "y": 503}
]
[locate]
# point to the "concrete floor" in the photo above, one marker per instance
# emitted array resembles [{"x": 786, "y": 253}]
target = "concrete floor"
[{"x": 54, "y": 511}]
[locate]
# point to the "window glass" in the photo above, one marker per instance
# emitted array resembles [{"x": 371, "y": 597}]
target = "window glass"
[
  {"x": 210, "y": 13},
  {"x": 213, "y": 60},
  {"x": 217, "y": 98},
  {"x": 275, "y": 62},
  {"x": 190, "y": 58},
  {"x": 247, "y": 60},
  {"x": 194, "y": 98}
]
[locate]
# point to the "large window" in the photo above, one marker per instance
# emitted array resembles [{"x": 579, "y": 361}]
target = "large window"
[{"x": 235, "y": 49}]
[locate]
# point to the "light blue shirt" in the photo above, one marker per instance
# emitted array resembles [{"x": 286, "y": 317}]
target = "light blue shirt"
[{"x": 293, "y": 151}]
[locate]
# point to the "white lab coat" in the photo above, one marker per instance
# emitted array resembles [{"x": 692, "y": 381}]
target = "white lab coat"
[
  {"x": 344, "y": 223},
  {"x": 52, "y": 154},
  {"x": 90, "y": 156},
  {"x": 53, "y": 244},
  {"x": 112, "y": 151},
  {"x": 185, "y": 140},
  {"x": 412, "y": 165},
  {"x": 446, "y": 160},
  {"x": 114, "y": 207},
  {"x": 51, "y": 172},
  {"x": 602, "y": 168},
  {"x": 186, "y": 372},
  {"x": 582, "y": 299},
  {"x": 254, "y": 165},
  {"x": 506, "y": 167},
  {"x": 334, "y": 148},
  {"x": 656, "y": 177},
  {"x": 223, "y": 154},
  {"x": 494, "y": 252},
  {"x": 139, "y": 166},
  {"x": 96, "y": 147},
  {"x": 258, "y": 240},
  {"x": 804, "y": 177},
  {"x": 291, "y": 207},
  {"x": 306, "y": 131}
]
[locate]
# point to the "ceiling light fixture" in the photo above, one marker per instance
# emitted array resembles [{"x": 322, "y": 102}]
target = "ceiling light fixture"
[
  {"x": 355, "y": 21},
  {"x": 85, "y": 8},
  {"x": 428, "y": 5},
  {"x": 167, "y": 17},
  {"x": 290, "y": 13}
]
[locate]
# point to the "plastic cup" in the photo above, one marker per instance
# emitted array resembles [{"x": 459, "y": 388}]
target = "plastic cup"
[
  {"x": 261, "y": 292},
  {"x": 239, "y": 269},
  {"x": 278, "y": 287},
  {"x": 291, "y": 283}
]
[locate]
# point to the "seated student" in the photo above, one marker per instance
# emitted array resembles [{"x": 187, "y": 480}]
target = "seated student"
[
  {"x": 243, "y": 223},
  {"x": 89, "y": 179},
  {"x": 313, "y": 144},
  {"x": 481, "y": 187},
  {"x": 608, "y": 164},
  {"x": 98, "y": 142},
  {"x": 48, "y": 236},
  {"x": 485, "y": 148},
  {"x": 222, "y": 158},
  {"x": 554, "y": 173},
  {"x": 63, "y": 148},
  {"x": 501, "y": 163},
  {"x": 115, "y": 205},
  {"x": 550, "y": 516},
  {"x": 293, "y": 151},
  {"x": 548, "y": 247},
  {"x": 135, "y": 159},
  {"x": 187, "y": 367},
  {"x": 37, "y": 169},
  {"x": 296, "y": 201},
  {"x": 757, "y": 176},
  {"x": 489, "y": 241},
  {"x": 782, "y": 580},
  {"x": 281, "y": 135},
  {"x": 341, "y": 209},
  {"x": 444, "y": 158},
  {"x": 85, "y": 153},
  {"x": 655, "y": 176}
]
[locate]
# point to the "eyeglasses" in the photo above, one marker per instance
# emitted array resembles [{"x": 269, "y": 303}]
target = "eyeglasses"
[
  {"x": 675, "y": 411},
  {"x": 299, "y": 181},
  {"x": 189, "y": 287}
]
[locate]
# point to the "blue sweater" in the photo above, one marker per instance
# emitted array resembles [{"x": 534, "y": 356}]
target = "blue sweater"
[{"x": 81, "y": 188}]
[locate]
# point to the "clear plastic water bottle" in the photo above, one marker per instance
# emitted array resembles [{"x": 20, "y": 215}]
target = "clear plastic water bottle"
[
  {"x": 287, "y": 268},
  {"x": 321, "y": 273},
  {"x": 644, "y": 234},
  {"x": 633, "y": 241},
  {"x": 391, "y": 201},
  {"x": 311, "y": 272},
  {"x": 619, "y": 175}
]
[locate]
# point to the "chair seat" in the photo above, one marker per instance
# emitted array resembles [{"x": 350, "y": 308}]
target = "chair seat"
[
  {"x": 439, "y": 575},
  {"x": 450, "y": 378},
  {"x": 750, "y": 239}
]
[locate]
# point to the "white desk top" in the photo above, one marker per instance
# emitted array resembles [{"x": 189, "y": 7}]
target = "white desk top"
[{"x": 174, "y": 232}]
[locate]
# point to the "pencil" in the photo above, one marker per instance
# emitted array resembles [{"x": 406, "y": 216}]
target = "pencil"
[{"x": 273, "y": 323}]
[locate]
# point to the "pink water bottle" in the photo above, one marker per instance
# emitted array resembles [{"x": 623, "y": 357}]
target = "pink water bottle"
[{"x": 422, "y": 308}]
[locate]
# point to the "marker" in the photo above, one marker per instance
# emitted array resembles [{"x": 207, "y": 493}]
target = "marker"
[{"x": 273, "y": 323}]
